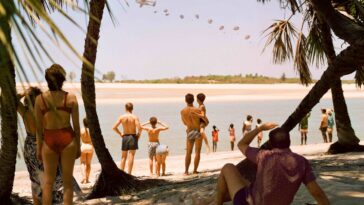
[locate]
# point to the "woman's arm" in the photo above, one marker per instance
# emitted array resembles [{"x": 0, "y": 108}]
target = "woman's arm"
[{"x": 76, "y": 125}]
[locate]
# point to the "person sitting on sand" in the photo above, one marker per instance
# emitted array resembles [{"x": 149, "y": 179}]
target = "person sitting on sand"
[
  {"x": 232, "y": 136},
  {"x": 130, "y": 136},
  {"x": 260, "y": 134},
  {"x": 303, "y": 128},
  {"x": 204, "y": 120},
  {"x": 215, "y": 138},
  {"x": 247, "y": 125},
  {"x": 153, "y": 134},
  {"x": 324, "y": 125},
  {"x": 330, "y": 125},
  {"x": 87, "y": 151},
  {"x": 192, "y": 123},
  {"x": 280, "y": 173}
]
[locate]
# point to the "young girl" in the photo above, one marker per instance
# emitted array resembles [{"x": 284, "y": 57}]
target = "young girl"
[
  {"x": 87, "y": 151},
  {"x": 232, "y": 136},
  {"x": 153, "y": 145},
  {"x": 260, "y": 134},
  {"x": 215, "y": 138}
]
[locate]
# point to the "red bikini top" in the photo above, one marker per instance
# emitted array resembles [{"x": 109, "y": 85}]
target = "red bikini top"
[{"x": 61, "y": 108}]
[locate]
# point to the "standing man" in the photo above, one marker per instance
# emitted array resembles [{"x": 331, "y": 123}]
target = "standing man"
[
  {"x": 192, "y": 123},
  {"x": 303, "y": 128},
  {"x": 130, "y": 136},
  {"x": 324, "y": 125}
]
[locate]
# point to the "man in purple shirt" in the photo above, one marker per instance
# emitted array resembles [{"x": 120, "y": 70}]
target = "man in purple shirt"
[{"x": 280, "y": 173}]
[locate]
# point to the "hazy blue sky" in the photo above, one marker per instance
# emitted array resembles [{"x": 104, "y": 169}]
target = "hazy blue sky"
[{"x": 147, "y": 45}]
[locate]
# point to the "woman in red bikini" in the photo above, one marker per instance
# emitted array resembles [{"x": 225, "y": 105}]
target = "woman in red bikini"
[{"x": 57, "y": 141}]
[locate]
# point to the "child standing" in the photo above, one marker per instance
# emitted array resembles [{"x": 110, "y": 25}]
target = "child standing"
[
  {"x": 215, "y": 138},
  {"x": 232, "y": 136},
  {"x": 260, "y": 134},
  {"x": 204, "y": 120}
]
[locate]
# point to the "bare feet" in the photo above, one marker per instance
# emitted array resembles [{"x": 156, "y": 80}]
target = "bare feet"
[
  {"x": 196, "y": 172},
  {"x": 186, "y": 174},
  {"x": 83, "y": 181}
]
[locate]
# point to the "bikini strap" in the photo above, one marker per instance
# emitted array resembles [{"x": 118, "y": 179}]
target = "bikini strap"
[{"x": 65, "y": 100}]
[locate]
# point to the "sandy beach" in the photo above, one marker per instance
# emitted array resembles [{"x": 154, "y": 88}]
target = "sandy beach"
[
  {"x": 151, "y": 93},
  {"x": 341, "y": 177}
]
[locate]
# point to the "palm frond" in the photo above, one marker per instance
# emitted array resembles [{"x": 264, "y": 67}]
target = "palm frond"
[
  {"x": 280, "y": 36},
  {"x": 315, "y": 44},
  {"x": 292, "y": 4},
  {"x": 359, "y": 77},
  {"x": 300, "y": 60}
]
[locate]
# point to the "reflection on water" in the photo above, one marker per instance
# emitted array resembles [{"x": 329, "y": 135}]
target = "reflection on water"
[{"x": 220, "y": 114}]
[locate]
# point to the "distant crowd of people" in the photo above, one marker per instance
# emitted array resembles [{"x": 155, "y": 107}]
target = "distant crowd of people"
[{"x": 54, "y": 141}]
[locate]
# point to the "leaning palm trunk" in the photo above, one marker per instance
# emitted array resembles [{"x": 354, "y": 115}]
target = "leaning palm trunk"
[
  {"x": 111, "y": 181},
  {"x": 8, "y": 103},
  {"x": 347, "y": 139}
]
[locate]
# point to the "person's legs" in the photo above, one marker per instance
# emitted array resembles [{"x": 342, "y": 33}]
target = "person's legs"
[
  {"x": 83, "y": 159},
  {"x": 164, "y": 157},
  {"x": 131, "y": 160},
  {"x": 305, "y": 138},
  {"x": 329, "y": 132},
  {"x": 158, "y": 164},
  {"x": 198, "y": 143},
  {"x": 151, "y": 164},
  {"x": 68, "y": 157},
  {"x": 229, "y": 183},
  {"x": 204, "y": 137},
  {"x": 189, "y": 147},
  {"x": 50, "y": 163},
  {"x": 323, "y": 132},
  {"x": 88, "y": 166},
  {"x": 302, "y": 137},
  {"x": 232, "y": 145},
  {"x": 124, "y": 155}
]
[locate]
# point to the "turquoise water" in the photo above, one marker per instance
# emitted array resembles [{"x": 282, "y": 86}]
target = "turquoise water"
[{"x": 220, "y": 114}]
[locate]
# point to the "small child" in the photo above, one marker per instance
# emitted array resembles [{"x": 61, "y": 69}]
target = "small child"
[
  {"x": 232, "y": 136},
  {"x": 204, "y": 121},
  {"x": 260, "y": 134},
  {"x": 215, "y": 138}
]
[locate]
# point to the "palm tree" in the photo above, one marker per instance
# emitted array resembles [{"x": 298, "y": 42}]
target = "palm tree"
[
  {"x": 12, "y": 19},
  {"x": 316, "y": 47},
  {"x": 322, "y": 17}
]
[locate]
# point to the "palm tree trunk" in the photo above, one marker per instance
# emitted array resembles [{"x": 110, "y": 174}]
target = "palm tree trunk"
[
  {"x": 8, "y": 103},
  {"x": 347, "y": 139},
  {"x": 111, "y": 181}
]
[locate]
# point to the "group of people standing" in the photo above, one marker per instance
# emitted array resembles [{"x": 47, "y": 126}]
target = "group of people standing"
[{"x": 326, "y": 127}]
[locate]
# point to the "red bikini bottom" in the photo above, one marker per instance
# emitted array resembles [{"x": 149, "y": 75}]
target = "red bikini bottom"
[{"x": 58, "y": 139}]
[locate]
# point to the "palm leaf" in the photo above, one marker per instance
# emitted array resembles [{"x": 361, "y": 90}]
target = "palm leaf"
[
  {"x": 315, "y": 44},
  {"x": 280, "y": 35},
  {"x": 292, "y": 4},
  {"x": 300, "y": 60}
]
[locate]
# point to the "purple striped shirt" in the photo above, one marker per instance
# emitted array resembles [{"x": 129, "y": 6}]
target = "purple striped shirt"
[{"x": 279, "y": 175}]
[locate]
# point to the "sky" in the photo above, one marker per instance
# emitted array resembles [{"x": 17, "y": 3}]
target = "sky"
[{"x": 143, "y": 44}]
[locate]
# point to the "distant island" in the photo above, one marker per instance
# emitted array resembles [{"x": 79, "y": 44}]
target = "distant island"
[{"x": 218, "y": 79}]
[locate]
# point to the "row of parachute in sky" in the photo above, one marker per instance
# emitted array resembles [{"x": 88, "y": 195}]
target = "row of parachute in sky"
[{"x": 181, "y": 16}]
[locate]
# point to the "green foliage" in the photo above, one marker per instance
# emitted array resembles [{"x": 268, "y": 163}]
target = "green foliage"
[{"x": 109, "y": 76}]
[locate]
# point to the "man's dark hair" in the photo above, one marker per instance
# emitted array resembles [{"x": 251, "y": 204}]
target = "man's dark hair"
[
  {"x": 55, "y": 77},
  {"x": 201, "y": 97},
  {"x": 279, "y": 138},
  {"x": 129, "y": 106},
  {"x": 214, "y": 127},
  {"x": 231, "y": 125},
  {"x": 259, "y": 121},
  {"x": 249, "y": 117},
  {"x": 189, "y": 98},
  {"x": 85, "y": 122},
  {"x": 323, "y": 111},
  {"x": 153, "y": 121}
]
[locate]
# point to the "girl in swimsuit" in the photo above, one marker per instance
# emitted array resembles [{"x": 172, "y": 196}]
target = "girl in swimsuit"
[
  {"x": 57, "y": 141},
  {"x": 232, "y": 136},
  {"x": 153, "y": 134},
  {"x": 87, "y": 151}
]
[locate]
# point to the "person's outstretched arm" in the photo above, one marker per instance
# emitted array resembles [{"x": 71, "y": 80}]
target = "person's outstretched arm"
[
  {"x": 164, "y": 126},
  {"x": 317, "y": 193},
  {"x": 249, "y": 136}
]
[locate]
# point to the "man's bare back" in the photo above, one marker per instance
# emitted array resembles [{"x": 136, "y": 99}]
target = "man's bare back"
[
  {"x": 191, "y": 121},
  {"x": 130, "y": 123}
]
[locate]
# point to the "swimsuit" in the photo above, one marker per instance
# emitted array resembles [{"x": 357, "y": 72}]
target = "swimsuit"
[
  {"x": 193, "y": 134},
  {"x": 86, "y": 147},
  {"x": 162, "y": 149},
  {"x": 152, "y": 147},
  {"x": 129, "y": 142},
  {"x": 58, "y": 139}
]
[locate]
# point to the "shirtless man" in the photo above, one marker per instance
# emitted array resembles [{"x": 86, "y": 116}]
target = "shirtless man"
[
  {"x": 192, "y": 123},
  {"x": 130, "y": 135}
]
